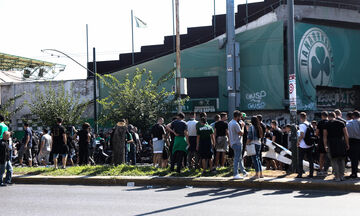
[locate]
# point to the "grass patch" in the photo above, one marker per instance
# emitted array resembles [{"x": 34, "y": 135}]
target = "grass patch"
[{"x": 120, "y": 170}]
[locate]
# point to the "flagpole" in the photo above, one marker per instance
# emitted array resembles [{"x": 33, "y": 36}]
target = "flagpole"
[
  {"x": 214, "y": 20},
  {"x": 178, "y": 69},
  {"x": 132, "y": 37},
  {"x": 87, "y": 47},
  {"x": 247, "y": 12}
]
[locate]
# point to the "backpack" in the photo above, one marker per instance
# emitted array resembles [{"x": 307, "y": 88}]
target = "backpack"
[{"x": 310, "y": 137}]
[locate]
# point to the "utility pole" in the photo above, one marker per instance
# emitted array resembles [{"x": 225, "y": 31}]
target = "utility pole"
[
  {"x": 230, "y": 55},
  {"x": 178, "y": 69},
  {"x": 96, "y": 127},
  {"x": 292, "y": 82},
  {"x": 173, "y": 22}
]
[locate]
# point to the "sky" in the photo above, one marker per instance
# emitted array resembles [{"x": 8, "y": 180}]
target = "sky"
[{"x": 28, "y": 26}]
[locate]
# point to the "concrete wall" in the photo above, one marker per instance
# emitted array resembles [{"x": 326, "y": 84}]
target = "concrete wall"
[
  {"x": 10, "y": 90},
  {"x": 319, "y": 12}
]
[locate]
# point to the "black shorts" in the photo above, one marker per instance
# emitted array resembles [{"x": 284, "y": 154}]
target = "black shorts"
[{"x": 205, "y": 149}]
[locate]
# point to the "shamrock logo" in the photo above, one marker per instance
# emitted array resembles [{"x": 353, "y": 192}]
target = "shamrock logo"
[{"x": 320, "y": 64}]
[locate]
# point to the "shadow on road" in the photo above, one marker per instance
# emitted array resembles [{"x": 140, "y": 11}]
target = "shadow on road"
[
  {"x": 317, "y": 194},
  {"x": 219, "y": 193}
]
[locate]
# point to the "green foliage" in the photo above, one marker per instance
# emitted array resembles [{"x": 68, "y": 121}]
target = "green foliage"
[
  {"x": 120, "y": 170},
  {"x": 49, "y": 103},
  {"x": 139, "y": 99},
  {"x": 7, "y": 110}
]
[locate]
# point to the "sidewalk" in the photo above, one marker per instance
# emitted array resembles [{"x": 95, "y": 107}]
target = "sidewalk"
[{"x": 269, "y": 182}]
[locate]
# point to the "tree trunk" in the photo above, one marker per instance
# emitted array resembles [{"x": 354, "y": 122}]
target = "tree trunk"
[{"x": 118, "y": 144}]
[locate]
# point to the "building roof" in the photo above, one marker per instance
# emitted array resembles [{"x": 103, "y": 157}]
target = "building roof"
[
  {"x": 17, "y": 68},
  {"x": 13, "y": 62}
]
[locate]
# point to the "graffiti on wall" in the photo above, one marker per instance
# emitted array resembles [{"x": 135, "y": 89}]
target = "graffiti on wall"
[
  {"x": 334, "y": 98},
  {"x": 255, "y": 101}
]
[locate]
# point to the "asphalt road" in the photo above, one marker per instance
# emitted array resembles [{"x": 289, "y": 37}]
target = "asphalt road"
[{"x": 115, "y": 200}]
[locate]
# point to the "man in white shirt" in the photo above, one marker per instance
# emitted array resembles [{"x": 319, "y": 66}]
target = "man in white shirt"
[
  {"x": 45, "y": 148},
  {"x": 236, "y": 131},
  {"x": 303, "y": 148},
  {"x": 192, "y": 157}
]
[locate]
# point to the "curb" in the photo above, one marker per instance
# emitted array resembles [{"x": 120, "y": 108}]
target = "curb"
[{"x": 266, "y": 183}]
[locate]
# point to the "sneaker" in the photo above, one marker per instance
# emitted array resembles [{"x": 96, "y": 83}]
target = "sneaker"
[
  {"x": 254, "y": 177},
  {"x": 245, "y": 174},
  {"x": 298, "y": 176},
  {"x": 337, "y": 179},
  {"x": 351, "y": 176},
  {"x": 2, "y": 185},
  {"x": 238, "y": 177}
]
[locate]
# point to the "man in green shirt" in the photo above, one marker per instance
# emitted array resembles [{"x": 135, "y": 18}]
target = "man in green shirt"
[
  {"x": 3, "y": 126},
  {"x": 205, "y": 143}
]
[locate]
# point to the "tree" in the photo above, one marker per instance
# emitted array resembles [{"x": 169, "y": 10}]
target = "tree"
[
  {"x": 139, "y": 99},
  {"x": 6, "y": 109},
  {"x": 49, "y": 103}
]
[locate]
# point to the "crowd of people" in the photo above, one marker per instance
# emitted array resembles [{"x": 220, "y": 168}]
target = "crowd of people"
[{"x": 330, "y": 142}]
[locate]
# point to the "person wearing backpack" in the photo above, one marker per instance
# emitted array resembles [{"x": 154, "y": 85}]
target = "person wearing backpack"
[{"x": 305, "y": 145}]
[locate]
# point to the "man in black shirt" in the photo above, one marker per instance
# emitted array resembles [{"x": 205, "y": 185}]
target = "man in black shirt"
[
  {"x": 84, "y": 143},
  {"x": 339, "y": 117},
  {"x": 336, "y": 142},
  {"x": 222, "y": 139},
  {"x": 277, "y": 138},
  {"x": 5, "y": 163},
  {"x": 58, "y": 135},
  {"x": 158, "y": 141},
  {"x": 181, "y": 142},
  {"x": 320, "y": 133}
]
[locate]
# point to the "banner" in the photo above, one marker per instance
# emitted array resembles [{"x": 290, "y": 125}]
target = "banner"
[
  {"x": 284, "y": 155},
  {"x": 326, "y": 56}
]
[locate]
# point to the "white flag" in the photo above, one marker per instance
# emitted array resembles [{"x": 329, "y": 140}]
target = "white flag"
[{"x": 140, "y": 23}]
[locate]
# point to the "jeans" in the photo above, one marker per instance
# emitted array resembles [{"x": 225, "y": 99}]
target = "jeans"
[
  {"x": 178, "y": 157},
  {"x": 354, "y": 154},
  {"x": 338, "y": 165},
  {"x": 131, "y": 155},
  {"x": 256, "y": 158},
  {"x": 309, "y": 154},
  {"x": 238, "y": 160},
  {"x": 9, "y": 171}
]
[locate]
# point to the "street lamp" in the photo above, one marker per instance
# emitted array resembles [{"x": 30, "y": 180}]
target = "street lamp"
[{"x": 93, "y": 73}]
